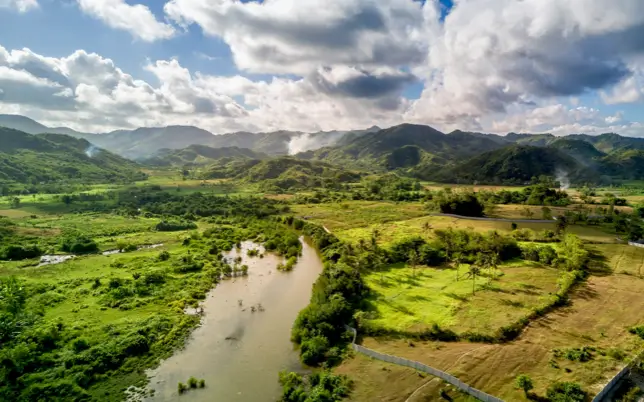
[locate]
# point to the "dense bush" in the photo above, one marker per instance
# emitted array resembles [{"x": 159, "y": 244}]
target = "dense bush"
[
  {"x": 78, "y": 244},
  {"x": 317, "y": 387},
  {"x": 20, "y": 252},
  {"x": 565, "y": 392},
  {"x": 173, "y": 226},
  {"x": 458, "y": 203}
]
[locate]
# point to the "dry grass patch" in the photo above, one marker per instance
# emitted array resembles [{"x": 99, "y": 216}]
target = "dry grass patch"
[{"x": 599, "y": 315}]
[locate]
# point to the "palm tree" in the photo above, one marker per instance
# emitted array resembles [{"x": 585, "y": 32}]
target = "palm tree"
[
  {"x": 427, "y": 227},
  {"x": 413, "y": 260},
  {"x": 375, "y": 236},
  {"x": 473, "y": 272},
  {"x": 457, "y": 258}
]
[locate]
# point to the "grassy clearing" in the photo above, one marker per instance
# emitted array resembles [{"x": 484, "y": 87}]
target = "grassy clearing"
[
  {"x": 355, "y": 214},
  {"x": 599, "y": 315},
  {"x": 407, "y": 301},
  {"x": 394, "y": 231}
]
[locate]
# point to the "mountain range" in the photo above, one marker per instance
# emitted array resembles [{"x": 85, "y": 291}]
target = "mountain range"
[
  {"x": 409, "y": 149},
  {"x": 145, "y": 142},
  {"x": 33, "y": 159}
]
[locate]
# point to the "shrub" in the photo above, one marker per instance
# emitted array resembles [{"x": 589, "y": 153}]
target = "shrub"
[
  {"x": 547, "y": 255},
  {"x": 192, "y": 382},
  {"x": 181, "y": 387},
  {"x": 80, "y": 344},
  {"x": 202, "y": 383},
  {"x": 565, "y": 392},
  {"x": 163, "y": 256},
  {"x": 78, "y": 244},
  {"x": 173, "y": 226},
  {"x": 524, "y": 382},
  {"x": 314, "y": 350},
  {"x": 16, "y": 252}
]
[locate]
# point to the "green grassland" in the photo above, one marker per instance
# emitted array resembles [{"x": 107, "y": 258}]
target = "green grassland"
[
  {"x": 357, "y": 214},
  {"x": 412, "y": 300}
]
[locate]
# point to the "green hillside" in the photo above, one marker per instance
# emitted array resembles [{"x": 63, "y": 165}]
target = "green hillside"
[
  {"x": 291, "y": 173},
  {"x": 514, "y": 164},
  {"x": 195, "y": 155},
  {"x": 627, "y": 164},
  {"x": 583, "y": 151},
  {"x": 412, "y": 147},
  {"x": 27, "y": 158}
]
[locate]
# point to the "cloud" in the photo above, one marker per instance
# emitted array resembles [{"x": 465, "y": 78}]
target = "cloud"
[
  {"x": 288, "y": 36},
  {"x": 136, "y": 19},
  {"x": 629, "y": 91},
  {"x": 90, "y": 93},
  {"x": 491, "y": 54},
  {"x": 559, "y": 119},
  {"x": 22, "y": 6},
  {"x": 360, "y": 83}
]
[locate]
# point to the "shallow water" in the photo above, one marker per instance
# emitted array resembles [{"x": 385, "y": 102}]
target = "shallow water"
[{"x": 239, "y": 352}]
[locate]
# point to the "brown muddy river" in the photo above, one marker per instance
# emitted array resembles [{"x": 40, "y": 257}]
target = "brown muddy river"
[{"x": 239, "y": 352}]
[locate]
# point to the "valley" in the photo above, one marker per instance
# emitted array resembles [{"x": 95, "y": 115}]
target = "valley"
[{"x": 492, "y": 258}]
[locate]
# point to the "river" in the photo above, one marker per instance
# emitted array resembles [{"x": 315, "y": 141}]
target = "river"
[{"x": 239, "y": 353}]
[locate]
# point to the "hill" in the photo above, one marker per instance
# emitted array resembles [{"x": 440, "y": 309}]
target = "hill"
[
  {"x": 282, "y": 173},
  {"x": 30, "y": 126},
  {"x": 28, "y": 158},
  {"x": 195, "y": 155},
  {"x": 626, "y": 164},
  {"x": 515, "y": 164},
  {"x": 292, "y": 173},
  {"x": 414, "y": 148},
  {"x": 584, "y": 152}
]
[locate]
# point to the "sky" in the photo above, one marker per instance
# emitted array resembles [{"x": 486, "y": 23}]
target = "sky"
[{"x": 558, "y": 66}]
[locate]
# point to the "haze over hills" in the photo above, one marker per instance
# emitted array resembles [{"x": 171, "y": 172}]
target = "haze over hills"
[
  {"x": 414, "y": 150},
  {"x": 144, "y": 142}
]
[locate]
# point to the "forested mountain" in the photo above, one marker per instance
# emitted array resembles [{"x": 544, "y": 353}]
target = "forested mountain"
[
  {"x": 28, "y": 158},
  {"x": 512, "y": 164},
  {"x": 30, "y": 126},
  {"x": 145, "y": 142},
  {"x": 281, "y": 173},
  {"x": 195, "y": 155}
]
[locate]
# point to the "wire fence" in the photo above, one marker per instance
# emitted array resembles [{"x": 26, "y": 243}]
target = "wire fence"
[{"x": 480, "y": 395}]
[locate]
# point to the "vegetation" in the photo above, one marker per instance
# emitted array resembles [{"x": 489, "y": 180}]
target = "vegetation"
[{"x": 26, "y": 158}]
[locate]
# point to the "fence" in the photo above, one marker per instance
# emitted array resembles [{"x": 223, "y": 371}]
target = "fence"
[
  {"x": 608, "y": 388},
  {"x": 478, "y": 218},
  {"x": 480, "y": 395}
]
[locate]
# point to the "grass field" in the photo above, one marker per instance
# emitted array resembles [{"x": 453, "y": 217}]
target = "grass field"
[
  {"x": 404, "y": 300},
  {"x": 599, "y": 315},
  {"x": 356, "y": 214},
  {"x": 396, "y": 230}
]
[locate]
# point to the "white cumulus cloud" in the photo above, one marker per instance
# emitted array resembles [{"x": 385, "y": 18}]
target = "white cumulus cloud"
[{"x": 136, "y": 19}]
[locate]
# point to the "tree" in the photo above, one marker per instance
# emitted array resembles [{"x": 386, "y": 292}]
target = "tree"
[
  {"x": 473, "y": 272},
  {"x": 457, "y": 258},
  {"x": 427, "y": 227},
  {"x": 66, "y": 199},
  {"x": 413, "y": 260},
  {"x": 14, "y": 202},
  {"x": 527, "y": 212},
  {"x": 562, "y": 224},
  {"x": 546, "y": 213},
  {"x": 524, "y": 382},
  {"x": 565, "y": 392}
]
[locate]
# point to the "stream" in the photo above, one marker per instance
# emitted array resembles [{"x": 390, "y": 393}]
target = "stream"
[{"x": 237, "y": 351}]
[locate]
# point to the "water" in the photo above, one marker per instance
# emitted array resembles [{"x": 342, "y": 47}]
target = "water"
[
  {"x": 239, "y": 352},
  {"x": 54, "y": 259}
]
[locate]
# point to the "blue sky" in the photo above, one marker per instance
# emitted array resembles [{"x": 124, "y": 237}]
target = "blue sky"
[{"x": 57, "y": 29}]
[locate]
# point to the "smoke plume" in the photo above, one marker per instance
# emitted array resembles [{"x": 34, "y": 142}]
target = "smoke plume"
[
  {"x": 91, "y": 151},
  {"x": 562, "y": 178}
]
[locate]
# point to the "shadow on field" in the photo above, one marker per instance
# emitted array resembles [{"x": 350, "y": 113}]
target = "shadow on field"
[
  {"x": 598, "y": 265},
  {"x": 585, "y": 292}
]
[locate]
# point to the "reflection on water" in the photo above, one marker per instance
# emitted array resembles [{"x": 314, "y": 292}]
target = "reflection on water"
[{"x": 244, "y": 339}]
